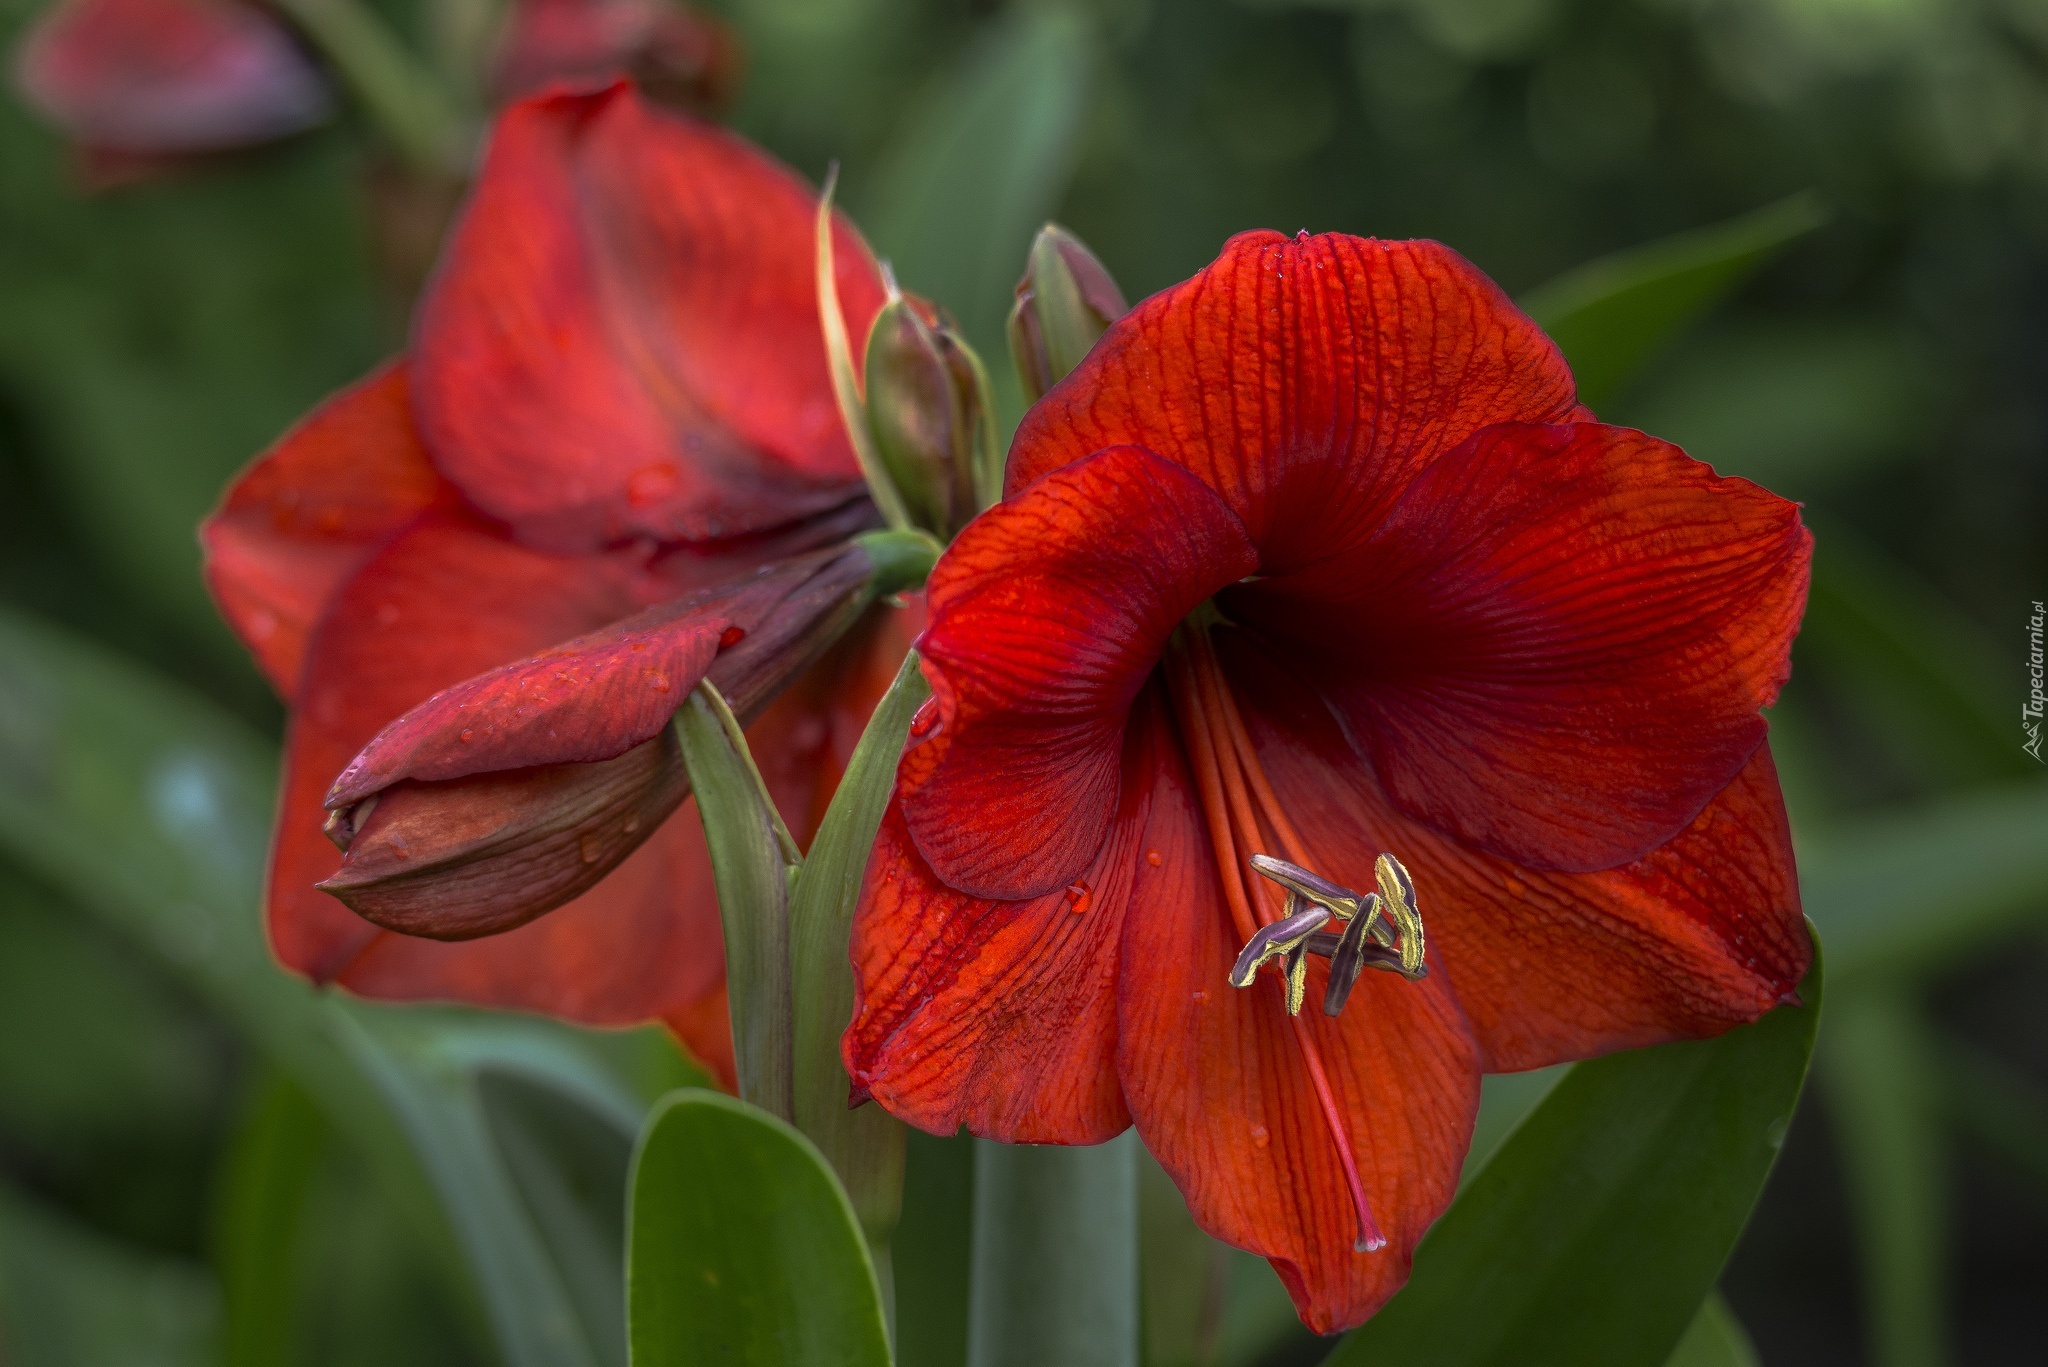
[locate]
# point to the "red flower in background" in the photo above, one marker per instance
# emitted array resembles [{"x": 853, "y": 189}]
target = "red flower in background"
[
  {"x": 135, "y": 81},
  {"x": 616, "y": 396},
  {"x": 1316, "y": 556},
  {"x": 676, "y": 53}
]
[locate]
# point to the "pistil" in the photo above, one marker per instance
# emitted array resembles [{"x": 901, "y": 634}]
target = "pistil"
[{"x": 1284, "y": 918}]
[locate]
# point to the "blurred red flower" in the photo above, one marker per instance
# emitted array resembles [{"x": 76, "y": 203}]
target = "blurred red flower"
[
  {"x": 616, "y": 395},
  {"x": 142, "y": 81},
  {"x": 1317, "y": 556},
  {"x": 678, "y": 54}
]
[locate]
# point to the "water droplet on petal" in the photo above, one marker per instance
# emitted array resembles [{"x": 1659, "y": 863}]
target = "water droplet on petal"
[
  {"x": 1259, "y": 1137},
  {"x": 1152, "y": 858},
  {"x": 1080, "y": 897},
  {"x": 651, "y": 484},
  {"x": 731, "y": 637},
  {"x": 632, "y": 825},
  {"x": 465, "y": 734},
  {"x": 926, "y": 717},
  {"x": 590, "y": 845}
]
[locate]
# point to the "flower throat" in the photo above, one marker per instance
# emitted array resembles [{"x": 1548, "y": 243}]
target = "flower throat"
[{"x": 1245, "y": 819}]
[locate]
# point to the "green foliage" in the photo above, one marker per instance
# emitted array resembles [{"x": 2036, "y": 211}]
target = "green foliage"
[
  {"x": 1621, "y": 1194},
  {"x": 1613, "y": 315},
  {"x": 1715, "y": 1339},
  {"x": 743, "y": 1250},
  {"x": 268, "y": 1174},
  {"x": 864, "y": 1144}
]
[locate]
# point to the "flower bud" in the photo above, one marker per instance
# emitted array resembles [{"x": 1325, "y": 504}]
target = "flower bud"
[
  {"x": 156, "y": 81},
  {"x": 498, "y": 800},
  {"x": 1065, "y": 301},
  {"x": 926, "y": 404}
]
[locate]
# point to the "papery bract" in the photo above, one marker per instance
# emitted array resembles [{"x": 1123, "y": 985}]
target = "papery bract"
[
  {"x": 615, "y": 398},
  {"x": 1317, "y": 556}
]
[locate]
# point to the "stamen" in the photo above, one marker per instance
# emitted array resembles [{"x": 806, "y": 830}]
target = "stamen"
[{"x": 1278, "y": 939}]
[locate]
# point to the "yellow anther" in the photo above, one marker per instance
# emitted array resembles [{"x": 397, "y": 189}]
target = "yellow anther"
[{"x": 1397, "y": 892}]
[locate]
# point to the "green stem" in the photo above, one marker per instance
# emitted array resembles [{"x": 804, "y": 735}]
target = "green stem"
[
  {"x": 397, "y": 93},
  {"x": 1055, "y": 1273},
  {"x": 748, "y": 862}
]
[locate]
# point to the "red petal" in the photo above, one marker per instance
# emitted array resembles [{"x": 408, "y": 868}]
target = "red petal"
[
  {"x": 1047, "y": 615},
  {"x": 169, "y": 76},
  {"x": 623, "y": 339},
  {"x": 1222, "y": 1097},
  {"x": 587, "y": 699},
  {"x": 1556, "y": 644},
  {"x": 1306, "y": 380},
  {"x": 999, "y": 1015},
  {"x": 306, "y": 515},
  {"x": 1699, "y": 936}
]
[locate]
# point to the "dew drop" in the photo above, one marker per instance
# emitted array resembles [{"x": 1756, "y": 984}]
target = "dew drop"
[
  {"x": 660, "y": 682},
  {"x": 651, "y": 484},
  {"x": 1152, "y": 858},
  {"x": 1259, "y": 1137},
  {"x": 1201, "y": 996},
  {"x": 589, "y": 844},
  {"x": 465, "y": 735},
  {"x": 632, "y": 825},
  {"x": 926, "y": 717},
  {"x": 1080, "y": 897},
  {"x": 731, "y": 637}
]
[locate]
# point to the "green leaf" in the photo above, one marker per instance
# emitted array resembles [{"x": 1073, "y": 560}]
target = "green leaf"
[
  {"x": 1614, "y": 315},
  {"x": 864, "y": 1144},
  {"x": 1504, "y": 1098},
  {"x": 1055, "y": 1268},
  {"x": 1598, "y": 1227},
  {"x": 743, "y": 1250},
  {"x": 527, "y": 1144},
  {"x": 751, "y": 859},
  {"x": 271, "y": 1165},
  {"x": 1998, "y": 1106},
  {"x": 70, "y": 1295},
  {"x": 1878, "y": 1074},
  {"x": 1920, "y": 889},
  {"x": 933, "y": 1246},
  {"x": 1715, "y": 1339},
  {"x": 151, "y": 809},
  {"x": 1183, "y": 1275},
  {"x": 983, "y": 160}
]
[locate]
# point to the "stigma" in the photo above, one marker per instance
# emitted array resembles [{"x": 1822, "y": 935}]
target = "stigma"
[{"x": 1380, "y": 929}]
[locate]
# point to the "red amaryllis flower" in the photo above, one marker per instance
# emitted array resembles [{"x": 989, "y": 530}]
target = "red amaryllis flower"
[
  {"x": 678, "y": 54},
  {"x": 616, "y": 397},
  {"x": 168, "y": 78},
  {"x": 1317, "y": 558}
]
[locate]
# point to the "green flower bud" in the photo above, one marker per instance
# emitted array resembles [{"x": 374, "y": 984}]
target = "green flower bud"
[
  {"x": 1065, "y": 301},
  {"x": 929, "y": 409}
]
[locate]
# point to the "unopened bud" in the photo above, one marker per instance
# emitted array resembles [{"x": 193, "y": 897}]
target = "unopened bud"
[
  {"x": 1065, "y": 301},
  {"x": 495, "y": 801},
  {"x": 927, "y": 404}
]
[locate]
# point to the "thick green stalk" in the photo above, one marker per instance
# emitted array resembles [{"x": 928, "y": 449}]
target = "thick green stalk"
[
  {"x": 1055, "y": 1275},
  {"x": 865, "y": 1144},
  {"x": 396, "y": 91},
  {"x": 748, "y": 861}
]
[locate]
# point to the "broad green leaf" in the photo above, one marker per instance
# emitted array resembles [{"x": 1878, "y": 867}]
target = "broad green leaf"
[
  {"x": 1800, "y": 407},
  {"x": 742, "y": 1249},
  {"x": 1504, "y": 1098},
  {"x": 69, "y": 1295},
  {"x": 751, "y": 859},
  {"x": 1614, "y": 315},
  {"x": 527, "y": 1145},
  {"x": 1183, "y": 1275},
  {"x": 1597, "y": 1228},
  {"x": 151, "y": 809},
  {"x": 1055, "y": 1273},
  {"x": 983, "y": 159},
  {"x": 1922, "y": 888},
  {"x": 1877, "y": 1073},
  {"x": 863, "y": 1144},
  {"x": 1715, "y": 1339},
  {"x": 268, "y": 1174}
]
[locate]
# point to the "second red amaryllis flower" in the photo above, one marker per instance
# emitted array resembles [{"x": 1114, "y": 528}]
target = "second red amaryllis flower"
[
  {"x": 1321, "y": 630},
  {"x": 615, "y": 405}
]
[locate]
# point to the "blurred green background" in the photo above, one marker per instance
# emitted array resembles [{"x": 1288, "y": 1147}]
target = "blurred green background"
[{"x": 174, "y": 1188}]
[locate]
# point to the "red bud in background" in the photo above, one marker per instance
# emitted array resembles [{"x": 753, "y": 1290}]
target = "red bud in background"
[
  {"x": 678, "y": 55},
  {"x": 149, "y": 79},
  {"x": 1065, "y": 301}
]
